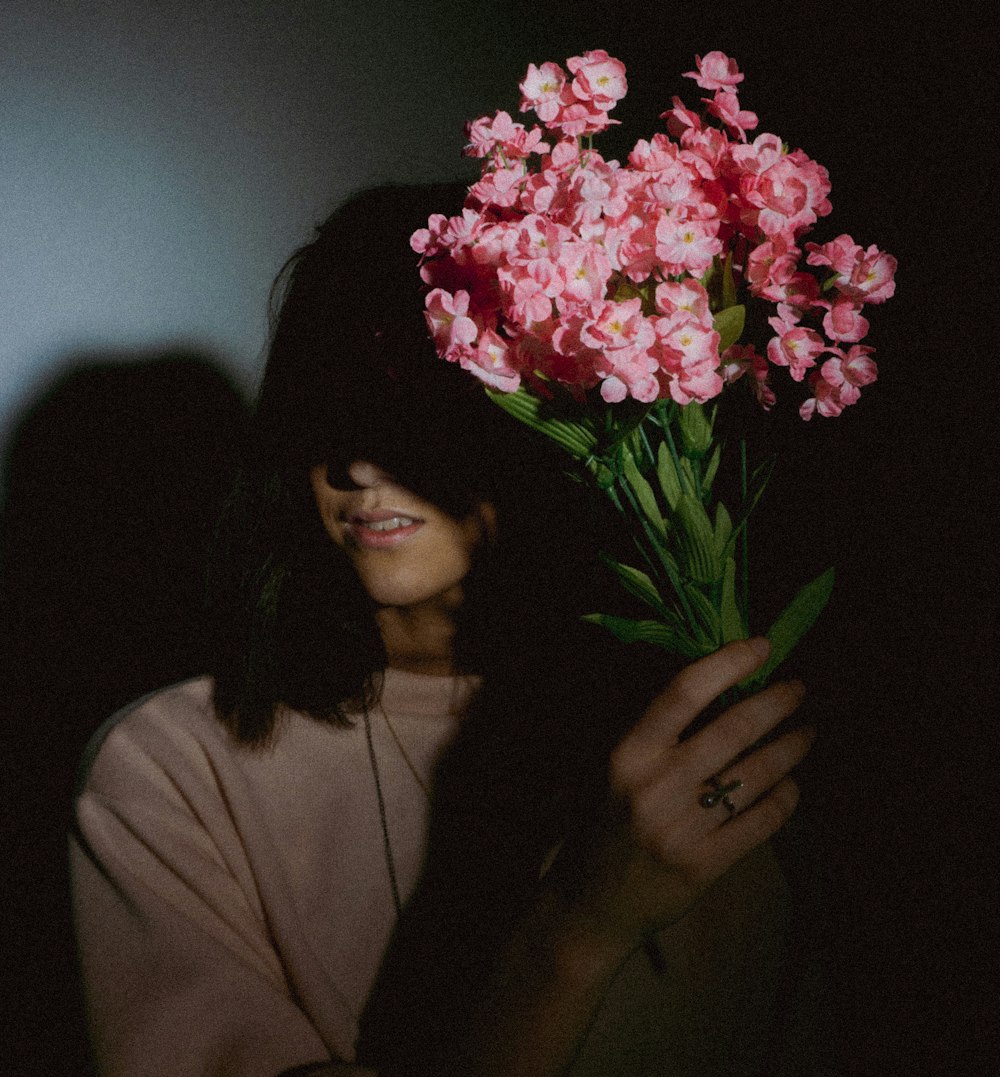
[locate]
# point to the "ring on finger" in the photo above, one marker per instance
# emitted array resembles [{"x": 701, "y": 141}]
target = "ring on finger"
[{"x": 719, "y": 794}]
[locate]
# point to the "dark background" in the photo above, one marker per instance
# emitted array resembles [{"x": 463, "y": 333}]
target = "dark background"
[{"x": 116, "y": 453}]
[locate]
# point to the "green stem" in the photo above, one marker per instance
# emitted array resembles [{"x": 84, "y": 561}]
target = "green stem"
[
  {"x": 682, "y": 478},
  {"x": 613, "y": 494},
  {"x": 649, "y": 448},
  {"x": 675, "y": 581},
  {"x": 657, "y": 544}
]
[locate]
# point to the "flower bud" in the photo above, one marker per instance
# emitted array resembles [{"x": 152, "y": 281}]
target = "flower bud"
[{"x": 696, "y": 430}]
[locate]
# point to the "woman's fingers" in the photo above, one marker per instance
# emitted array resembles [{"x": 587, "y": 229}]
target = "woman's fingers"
[
  {"x": 749, "y": 828},
  {"x": 740, "y": 726},
  {"x": 681, "y": 702},
  {"x": 756, "y": 774}
]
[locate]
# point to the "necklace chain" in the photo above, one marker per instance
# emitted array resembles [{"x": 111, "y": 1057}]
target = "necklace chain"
[
  {"x": 404, "y": 754},
  {"x": 390, "y": 862}
]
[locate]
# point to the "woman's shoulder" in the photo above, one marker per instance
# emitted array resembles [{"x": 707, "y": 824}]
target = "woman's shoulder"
[{"x": 161, "y": 725}]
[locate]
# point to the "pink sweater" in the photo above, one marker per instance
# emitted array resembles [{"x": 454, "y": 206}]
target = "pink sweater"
[{"x": 233, "y": 905}]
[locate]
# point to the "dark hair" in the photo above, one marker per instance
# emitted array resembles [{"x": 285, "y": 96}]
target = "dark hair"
[{"x": 352, "y": 374}]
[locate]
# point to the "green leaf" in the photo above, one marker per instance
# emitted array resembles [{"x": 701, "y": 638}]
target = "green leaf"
[
  {"x": 709, "y": 624},
  {"x": 643, "y": 493},
  {"x": 697, "y": 541},
  {"x": 627, "y": 289},
  {"x": 711, "y": 469},
  {"x": 728, "y": 324},
  {"x": 696, "y": 430},
  {"x": 723, "y": 529},
  {"x": 687, "y": 476},
  {"x": 575, "y": 438},
  {"x": 758, "y": 482},
  {"x": 670, "y": 484},
  {"x": 656, "y": 632},
  {"x": 793, "y": 622},
  {"x": 637, "y": 583},
  {"x": 729, "y": 612}
]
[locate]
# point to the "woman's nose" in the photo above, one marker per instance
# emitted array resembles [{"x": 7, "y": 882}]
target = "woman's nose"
[{"x": 365, "y": 474}]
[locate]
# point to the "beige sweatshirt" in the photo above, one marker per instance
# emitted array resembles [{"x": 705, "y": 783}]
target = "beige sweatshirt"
[{"x": 232, "y": 906}]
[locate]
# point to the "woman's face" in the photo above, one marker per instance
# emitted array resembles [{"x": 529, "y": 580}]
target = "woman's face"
[{"x": 407, "y": 552}]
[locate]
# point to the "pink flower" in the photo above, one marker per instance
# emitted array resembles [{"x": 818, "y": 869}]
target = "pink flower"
[
  {"x": 795, "y": 346},
  {"x": 825, "y": 399},
  {"x": 726, "y": 106},
  {"x": 521, "y": 283},
  {"x": 688, "y": 356},
  {"x": 838, "y": 382},
  {"x": 428, "y": 241},
  {"x": 564, "y": 156},
  {"x": 705, "y": 150},
  {"x": 538, "y": 237},
  {"x": 528, "y": 292},
  {"x": 462, "y": 230},
  {"x": 654, "y": 156},
  {"x": 771, "y": 265},
  {"x": 579, "y": 117},
  {"x": 701, "y": 385},
  {"x": 586, "y": 270},
  {"x": 628, "y": 372},
  {"x": 490, "y": 362},
  {"x": 448, "y": 322},
  {"x": 501, "y": 134},
  {"x": 681, "y": 119},
  {"x": 600, "y": 79},
  {"x": 839, "y": 254},
  {"x": 614, "y": 325},
  {"x": 848, "y": 371},
  {"x": 687, "y": 246},
  {"x": 864, "y": 276},
  {"x": 500, "y": 187},
  {"x": 590, "y": 190},
  {"x": 693, "y": 345},
  {"x": 686, "y": 298},
  {"x": 637, "y": 248},
  {"x": 756, "y": 156},
  {"x": 872, "y": 279},
  {"x": 740, "y": 359},
  {"x": 843, "y": 320},
  {"x": 715, "y": 72},
  {"x": 787, "y": 196},
  {"x": 541, "y": 90}
]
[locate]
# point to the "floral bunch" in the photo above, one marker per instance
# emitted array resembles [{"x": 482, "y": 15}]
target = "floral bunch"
[
  {"x": 565, "y": 268},
  {"x": 604, "y": 305}
]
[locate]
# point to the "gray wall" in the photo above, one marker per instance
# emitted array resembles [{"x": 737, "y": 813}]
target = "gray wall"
[{"x": 161, "y": 159}]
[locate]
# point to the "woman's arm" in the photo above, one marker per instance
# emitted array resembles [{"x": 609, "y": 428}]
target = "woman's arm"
[
  {"x": 644, "y": 865},
  {"x": 177, "y": 932}
]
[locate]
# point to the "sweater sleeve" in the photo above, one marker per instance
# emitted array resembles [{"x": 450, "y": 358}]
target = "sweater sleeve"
[{"x": 181, "y": 974}]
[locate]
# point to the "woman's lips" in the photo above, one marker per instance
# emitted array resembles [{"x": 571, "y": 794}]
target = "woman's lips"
[{"x": 381, "y": 529}]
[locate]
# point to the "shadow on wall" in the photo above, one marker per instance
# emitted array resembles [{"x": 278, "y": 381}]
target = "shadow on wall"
[{"x": 114, "y": 478}]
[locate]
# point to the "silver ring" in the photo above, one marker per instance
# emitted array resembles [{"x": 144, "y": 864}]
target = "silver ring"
[{"x": 719, "y": 794}]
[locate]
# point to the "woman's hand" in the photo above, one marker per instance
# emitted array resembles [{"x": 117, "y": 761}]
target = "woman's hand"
[
  {"x": 661, "y": 847},
  {"x": 644, "y": 865}
]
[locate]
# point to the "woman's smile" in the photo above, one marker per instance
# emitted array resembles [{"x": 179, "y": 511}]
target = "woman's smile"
[
  {"x": 407, "y": 552},
  {"x": 381, "y": 529}
]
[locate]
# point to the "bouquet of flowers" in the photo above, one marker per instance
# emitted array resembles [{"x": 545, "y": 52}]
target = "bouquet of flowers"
[{"x": 605, "y": 305}]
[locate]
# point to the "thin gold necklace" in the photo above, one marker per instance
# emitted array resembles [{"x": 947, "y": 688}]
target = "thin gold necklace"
[
  {"x": 390, "y": 860},
  {"x": 404, "y": 753}
]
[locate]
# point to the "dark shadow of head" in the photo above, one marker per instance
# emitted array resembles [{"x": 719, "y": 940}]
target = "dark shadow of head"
[{"x": 113, "y": 480}]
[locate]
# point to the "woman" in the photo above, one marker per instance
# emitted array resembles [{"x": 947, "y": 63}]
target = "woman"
[{"x": 420, "y": 820}]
